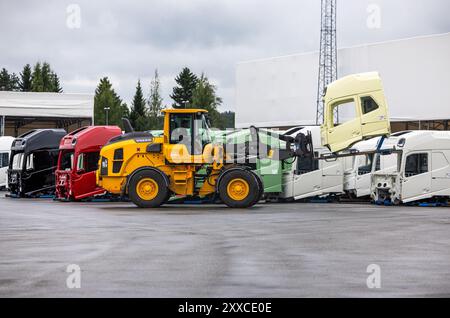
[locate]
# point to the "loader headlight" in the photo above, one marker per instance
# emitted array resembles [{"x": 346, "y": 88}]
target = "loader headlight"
[{"x": 104, "y": 167}]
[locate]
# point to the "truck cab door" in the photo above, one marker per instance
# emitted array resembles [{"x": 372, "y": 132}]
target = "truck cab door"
[
  {"x": 416, "y": 176},
  {"x": 344, "y": 124},
  {"x": 374, "y": 116},
  {"x": 307, "y": 178},
  {"x": 440, "y": 173}
]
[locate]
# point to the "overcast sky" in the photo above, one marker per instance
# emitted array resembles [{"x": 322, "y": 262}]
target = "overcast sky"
[{"x": 127, "y": 40}]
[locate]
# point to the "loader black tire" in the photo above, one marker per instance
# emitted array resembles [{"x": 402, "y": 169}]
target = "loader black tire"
[
  {"x": 240, "y": 189},
  {"x": 148, "y": 189}
]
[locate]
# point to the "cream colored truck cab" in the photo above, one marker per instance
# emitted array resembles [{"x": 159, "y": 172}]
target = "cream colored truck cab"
[
  {"x": 423, "y": 168},
  {"x": 362, "y": 111}
]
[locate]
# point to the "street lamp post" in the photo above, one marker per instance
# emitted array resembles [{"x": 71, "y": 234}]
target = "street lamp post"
[{"x": 106, "y": 114}]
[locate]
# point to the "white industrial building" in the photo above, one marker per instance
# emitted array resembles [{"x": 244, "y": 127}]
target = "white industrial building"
[
  {"x": 282, "y": 91},
  {"x": 22, "y": 111}
]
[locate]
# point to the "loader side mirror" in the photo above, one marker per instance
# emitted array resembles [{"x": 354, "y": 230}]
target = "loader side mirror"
[{"x": 127, "y": 125}]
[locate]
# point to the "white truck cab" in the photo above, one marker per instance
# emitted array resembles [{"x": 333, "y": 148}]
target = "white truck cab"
[
  {"x": 310, "y": 177},
  {"x": 357, "y": 178},
  {"x": 422, "y": 170},
  {"x": 5, "y": 153}
]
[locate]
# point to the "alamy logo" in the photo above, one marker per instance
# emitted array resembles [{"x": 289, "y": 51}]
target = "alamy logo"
[
  {"x": 374, "y": 18},
  {"x": 374, "y": 279},
  {"x": 74, "y": 278},
  {"x": 73, "y": 20}
]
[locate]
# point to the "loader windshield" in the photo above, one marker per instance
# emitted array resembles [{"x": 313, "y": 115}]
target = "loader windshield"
[{"x": 191, "y": 130}]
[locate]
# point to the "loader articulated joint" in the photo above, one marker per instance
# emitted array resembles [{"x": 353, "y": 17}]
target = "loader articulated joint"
[{"x": 166, "y": 178}]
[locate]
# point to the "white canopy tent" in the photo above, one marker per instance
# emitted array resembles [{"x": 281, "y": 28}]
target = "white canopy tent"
[{"x": 44, "y": 110}]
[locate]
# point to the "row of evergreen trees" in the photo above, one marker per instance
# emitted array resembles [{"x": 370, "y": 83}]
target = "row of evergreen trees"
[
  {"x": 191, "y": 91},
  {"x": 39, "y": 79}
]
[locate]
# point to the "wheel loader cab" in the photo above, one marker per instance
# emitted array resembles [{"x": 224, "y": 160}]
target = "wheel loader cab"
[
  {"x": 187, "y": 134},
  {"x": 355, "y": 109}
]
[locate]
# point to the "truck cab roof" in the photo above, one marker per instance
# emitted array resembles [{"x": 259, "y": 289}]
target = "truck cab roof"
[
  {"x": 38, "y": 139},
  {"x": 89, "y": 137}
]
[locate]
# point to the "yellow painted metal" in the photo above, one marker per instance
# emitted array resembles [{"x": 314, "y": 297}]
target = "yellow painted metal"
[
  {"x": 238, "y": 189},
  {"x": 353, "y": 89},
  {"x": 147, "y": 189}
]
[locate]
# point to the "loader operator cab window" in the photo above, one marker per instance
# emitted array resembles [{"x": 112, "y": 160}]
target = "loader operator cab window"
[
  {"x": 416, "y": 164},
  {"x": 180, "y": 128},
  {"x": 191, "y": 130},
  {"x": 203, "y": 137}
]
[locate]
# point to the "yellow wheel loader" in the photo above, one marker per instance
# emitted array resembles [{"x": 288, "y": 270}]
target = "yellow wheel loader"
[{"x": 183, "y": 161}]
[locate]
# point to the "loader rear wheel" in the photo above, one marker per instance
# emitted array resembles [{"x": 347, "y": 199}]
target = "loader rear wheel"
[
  {"x": 148, "y": 189},
  {"x": 239, "y": 189}
]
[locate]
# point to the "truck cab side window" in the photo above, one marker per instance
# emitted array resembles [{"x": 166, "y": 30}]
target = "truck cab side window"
[
  {"x": 307, "y": 164},
  {"x": 368, "y": 105},
  {"x": 366, "y": 166},
  {"x": 416, "y": 164},
  {"x": 344, "y": 111}
]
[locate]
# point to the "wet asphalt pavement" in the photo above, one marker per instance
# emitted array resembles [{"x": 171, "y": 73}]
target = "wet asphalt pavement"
[{"x": 271, "y": 250}]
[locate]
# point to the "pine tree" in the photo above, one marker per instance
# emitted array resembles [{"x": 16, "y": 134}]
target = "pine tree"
[
  {"x": 4, "y": 80},
  {"x": 182, "y": 93},
  {"x": 14, "y": 82},
  {"x": 46, "y": 74},
  {"x": 8, "y": 82},
  {"x": 204, "y": 96},
  {"x": 105, "y": 96},
  {"x": 155, "y": 119},
  {"x": 55, "y": 84},
  {"x": 37, "y": 84},
  {"x": 25, "y": 79},
  {"x": 138, "y": 114}
]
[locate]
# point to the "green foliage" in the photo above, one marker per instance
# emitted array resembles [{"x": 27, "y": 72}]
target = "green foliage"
[
  {"x": 25, "y": 79},
  {"x": 204, "y": 96},
  {"x": 155, "y": 99},
  {"x": 44, "y": 79},
  {"x": 138, "y": 114},
  {"x": 8, "y": 82},
  {"x": 182, "y": 93},
  {"x": 155, "y": 106},
  {"x": 228, "y": 119},
  {"x": 105, "y": 96}
]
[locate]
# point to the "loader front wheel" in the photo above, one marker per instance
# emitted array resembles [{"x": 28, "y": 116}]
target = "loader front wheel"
[
  {"x": 239, "y": 189},
  {"x": 148, "y": 189}
]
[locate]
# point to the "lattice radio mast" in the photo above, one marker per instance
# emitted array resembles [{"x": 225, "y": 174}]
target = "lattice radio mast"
[{"x": 327, "y": 55}]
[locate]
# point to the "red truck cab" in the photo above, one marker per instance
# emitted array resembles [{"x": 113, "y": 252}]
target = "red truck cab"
[{"x": 78, "y": 161}]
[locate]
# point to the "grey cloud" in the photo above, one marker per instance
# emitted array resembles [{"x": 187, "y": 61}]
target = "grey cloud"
[{"x": 127, "y": 40}]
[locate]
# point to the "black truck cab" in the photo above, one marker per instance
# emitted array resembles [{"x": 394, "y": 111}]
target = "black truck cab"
[{"x": 34, "y": 157}]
